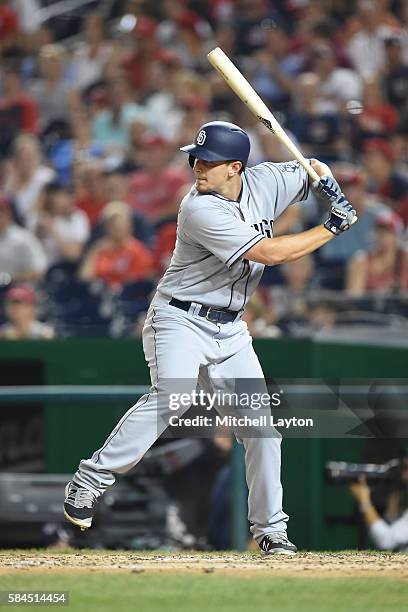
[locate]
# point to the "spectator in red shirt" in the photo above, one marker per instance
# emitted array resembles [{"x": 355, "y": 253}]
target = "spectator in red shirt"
[
  {"x": 9, "y": 26},
  {"x": 154, "y": 188},
  {"x": 15, "y": 94},
  {"x": 137, "y": 64},
  {"x": 89, "y": 189},
  {"x": 384, "y": 269},
  {"x": 166, "y": 233},
  {"x": 117, "y": 258}
]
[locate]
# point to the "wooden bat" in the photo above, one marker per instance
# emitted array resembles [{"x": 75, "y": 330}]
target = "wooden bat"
[{"x": 248, "y": 95}]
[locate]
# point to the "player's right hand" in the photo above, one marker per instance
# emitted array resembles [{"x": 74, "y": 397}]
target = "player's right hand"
[
  {"x": 341, "y": 217},
  {"x": 328, "y": 189}
]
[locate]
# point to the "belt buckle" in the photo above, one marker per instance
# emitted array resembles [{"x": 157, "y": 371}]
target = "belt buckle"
[{"x": 210, "y": 309}]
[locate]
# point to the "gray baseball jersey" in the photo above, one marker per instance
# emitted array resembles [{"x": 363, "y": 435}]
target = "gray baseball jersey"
[
  {"x": 183, "y": 347},
  {"x": 214, "y": 232}
]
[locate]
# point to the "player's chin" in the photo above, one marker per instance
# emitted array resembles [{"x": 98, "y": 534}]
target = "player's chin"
[{"x": 202, "y": 186}]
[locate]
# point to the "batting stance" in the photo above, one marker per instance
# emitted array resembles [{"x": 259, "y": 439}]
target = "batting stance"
[{"x": 193, "y": 328}]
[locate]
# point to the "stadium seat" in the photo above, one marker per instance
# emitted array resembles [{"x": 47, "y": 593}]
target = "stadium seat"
[
  {"x": 78, "y": 308},
  {"x": 133, "y": 300}
]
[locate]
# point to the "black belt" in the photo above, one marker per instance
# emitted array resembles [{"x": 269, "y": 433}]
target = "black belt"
[{"x": 215, "y": 315}]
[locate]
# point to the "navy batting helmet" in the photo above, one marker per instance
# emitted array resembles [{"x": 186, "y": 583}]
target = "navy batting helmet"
[{"x": 219, "y": 141}]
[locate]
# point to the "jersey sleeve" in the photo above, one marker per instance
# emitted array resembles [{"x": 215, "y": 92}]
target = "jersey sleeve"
[
  {"x": 221, "y": 233},
  {"x": 291, "y": 182},
  {"x": 389, "y": 537}
]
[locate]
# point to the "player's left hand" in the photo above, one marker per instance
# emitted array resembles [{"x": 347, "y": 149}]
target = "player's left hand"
[
  {"x": 342, "y": 214},
  {"x": 341, "y": 218}
]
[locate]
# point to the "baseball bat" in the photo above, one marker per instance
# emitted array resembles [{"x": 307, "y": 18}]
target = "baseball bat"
[{"x": 248, "y": 95}]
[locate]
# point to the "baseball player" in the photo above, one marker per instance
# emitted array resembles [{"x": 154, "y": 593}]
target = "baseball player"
[{"x": 193, "y": 330}]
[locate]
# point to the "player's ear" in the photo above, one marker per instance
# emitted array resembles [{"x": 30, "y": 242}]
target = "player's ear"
[{"x": 234, "y": 168}]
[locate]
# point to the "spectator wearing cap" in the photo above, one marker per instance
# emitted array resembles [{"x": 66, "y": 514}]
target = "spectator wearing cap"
[
  {"x": 21, "y": 313},
  {"x": 26, "y": 176},
  {"x": 117, "y": 258},
  {"x": 384, "y": 179},
  {"x": 154, "y": 187},
  {"x": 383, "y": 270},
  {"x": 22, "y": 257},
  {"x": 110, "y": 126},
  {"x": 62, "y": 228},
  {"x": 92, "y": 54},
  {"x": 18, "y": 110},
  {"x": 54, "y": 97}
]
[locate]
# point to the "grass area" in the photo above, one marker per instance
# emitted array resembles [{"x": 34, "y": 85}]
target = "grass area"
[{"x": 201, "y": 593}]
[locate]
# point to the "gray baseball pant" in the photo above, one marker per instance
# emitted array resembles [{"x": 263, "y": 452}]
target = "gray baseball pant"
[{"x": 184, "y": 346}]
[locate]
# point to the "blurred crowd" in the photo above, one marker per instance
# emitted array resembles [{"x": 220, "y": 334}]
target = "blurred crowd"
[{"x": 91, "y": 174}]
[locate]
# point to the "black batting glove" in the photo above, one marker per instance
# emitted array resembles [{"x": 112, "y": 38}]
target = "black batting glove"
[{"x": 341, "y": 217}]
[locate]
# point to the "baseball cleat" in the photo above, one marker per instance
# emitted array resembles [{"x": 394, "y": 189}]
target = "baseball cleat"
[
  {"x": 79, "y": 505},
  {"x": 277, "y": 543}
]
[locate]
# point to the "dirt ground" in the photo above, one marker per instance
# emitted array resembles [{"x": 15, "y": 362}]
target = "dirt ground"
[{"x": 339, "y": 564}]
